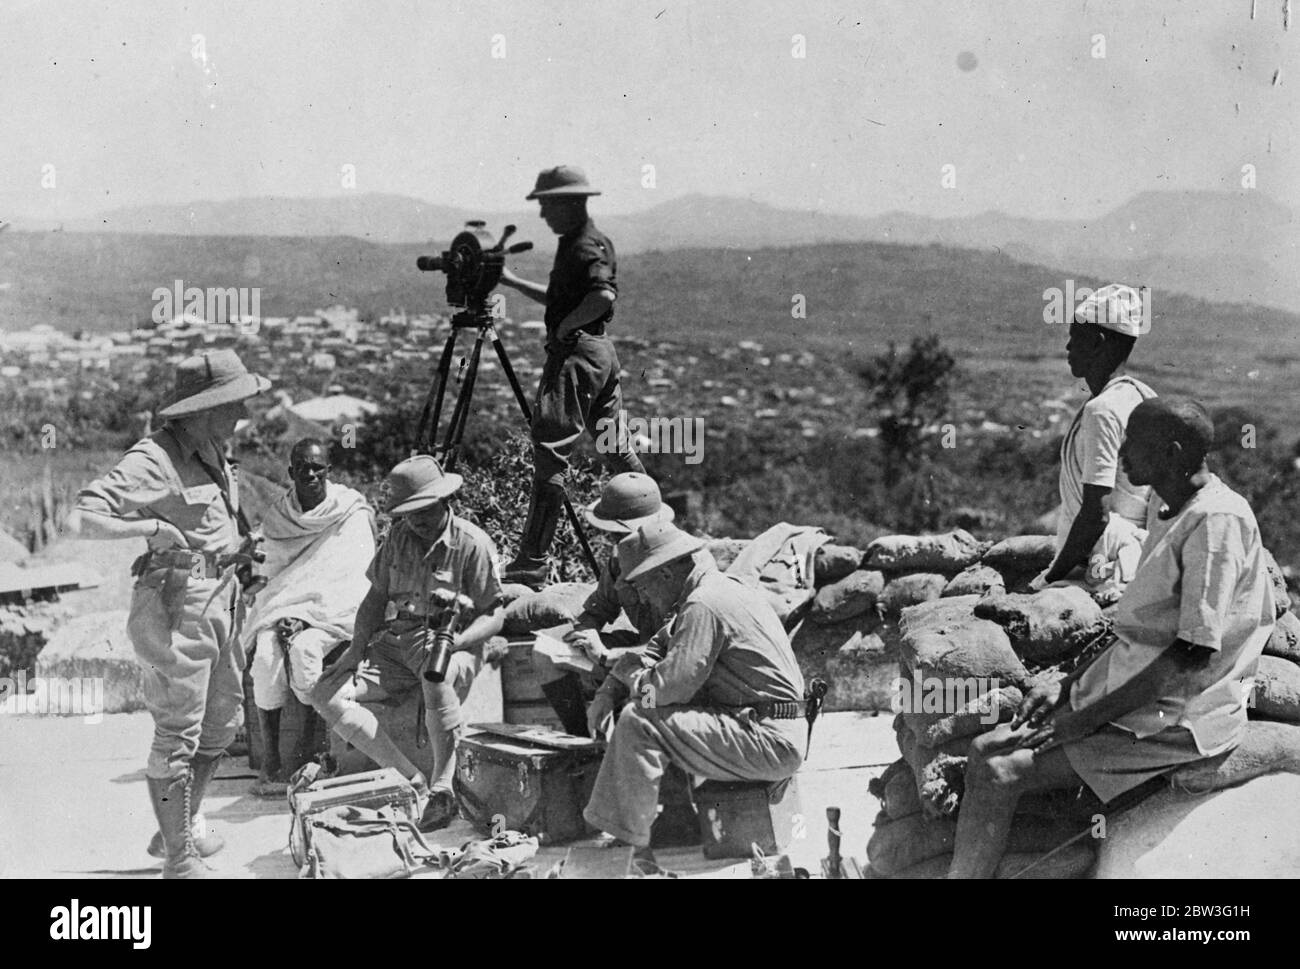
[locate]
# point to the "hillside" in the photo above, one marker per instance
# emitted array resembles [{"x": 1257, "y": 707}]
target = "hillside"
[
  {"x": 985, "y": 305},
  {"x": 1231, "y": 246}
]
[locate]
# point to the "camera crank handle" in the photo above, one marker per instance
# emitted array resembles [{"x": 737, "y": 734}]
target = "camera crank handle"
[
  {"x": 501, "y": 243},
  {"x": 519, "y": 247}
]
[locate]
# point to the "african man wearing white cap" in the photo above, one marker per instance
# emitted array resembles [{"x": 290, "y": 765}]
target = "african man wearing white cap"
[
  {"x": 176, "y": 490},
  {"x": 716, "y": 692},
  {"x": 1102, "y": 513}
]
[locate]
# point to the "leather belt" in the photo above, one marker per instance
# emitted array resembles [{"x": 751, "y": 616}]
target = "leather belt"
[
  {"x": 188, "y": 559},
  {"x": 780, "y": 710}
]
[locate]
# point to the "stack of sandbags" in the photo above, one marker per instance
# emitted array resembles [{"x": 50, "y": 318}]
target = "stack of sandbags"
[
  {"x": 908, "y": 843},
  {"x": 959, "y": 677},
  {"x": 962, "y": 674},
  {"x": 917, "y": 568}
]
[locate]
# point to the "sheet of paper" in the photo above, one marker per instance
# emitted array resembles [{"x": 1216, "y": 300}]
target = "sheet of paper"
[{"x": 562, "y": 654}]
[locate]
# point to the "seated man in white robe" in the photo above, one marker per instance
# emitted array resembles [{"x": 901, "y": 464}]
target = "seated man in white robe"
[{"x": 320, "y": 536}]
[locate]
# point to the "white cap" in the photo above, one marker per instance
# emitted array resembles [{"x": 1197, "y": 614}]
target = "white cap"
[{"x": 1115, "y": 307}]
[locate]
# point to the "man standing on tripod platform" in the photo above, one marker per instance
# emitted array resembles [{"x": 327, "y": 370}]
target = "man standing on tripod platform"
[{"x": 579, "y": 385}]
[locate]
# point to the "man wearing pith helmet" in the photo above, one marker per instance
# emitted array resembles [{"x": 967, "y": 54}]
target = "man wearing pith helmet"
[
  {"x": 579, "y": 386},
  {"x": 429, "y": 549},
  {"x": 176, "y": 490},
  {"x": 716, "y": 692},
  {"x": 627, "y": 502}
]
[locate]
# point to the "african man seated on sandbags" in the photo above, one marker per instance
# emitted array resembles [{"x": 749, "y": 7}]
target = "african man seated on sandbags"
[
  {"x": 1172, "y": 687},
  {"x": 716, "y": 692}
]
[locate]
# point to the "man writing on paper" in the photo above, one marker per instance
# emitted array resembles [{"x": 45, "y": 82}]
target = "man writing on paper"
[
  {"x": 716, "y": 692},
  {"x": 627, "y": 501}
]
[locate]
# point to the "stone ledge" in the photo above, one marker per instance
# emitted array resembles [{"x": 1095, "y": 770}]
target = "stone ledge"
[{"x": 96, "y": 645}]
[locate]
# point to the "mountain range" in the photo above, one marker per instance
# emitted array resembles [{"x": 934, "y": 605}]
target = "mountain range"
[{"x": 1240, "y": 247}]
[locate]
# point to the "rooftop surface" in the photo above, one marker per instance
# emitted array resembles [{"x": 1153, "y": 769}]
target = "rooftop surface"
[{"x": 73, "y": 803}]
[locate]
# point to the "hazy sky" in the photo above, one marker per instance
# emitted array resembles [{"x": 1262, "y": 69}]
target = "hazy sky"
[{"x": 285, "y": 93}]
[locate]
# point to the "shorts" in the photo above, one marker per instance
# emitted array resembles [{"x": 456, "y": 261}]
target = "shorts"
[{"x": 1114, "y": 760}]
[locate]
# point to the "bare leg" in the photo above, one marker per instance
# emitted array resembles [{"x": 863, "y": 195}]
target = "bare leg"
[
  {"x": 342, "y": 710},
  {"x": 996, "y": 777}
]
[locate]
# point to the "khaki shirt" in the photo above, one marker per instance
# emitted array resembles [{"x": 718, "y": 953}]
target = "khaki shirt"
[
  {"x": 161, "y": 477},
  {"x": 725, "y": 647},
  {"x": 462, "y": 560}
]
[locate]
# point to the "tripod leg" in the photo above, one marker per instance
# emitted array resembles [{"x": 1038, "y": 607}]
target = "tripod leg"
[
  {"x": 509, "y": 370},
  {"x": 427, "y": 430},
  {"x": 460, "y": 416},
  {"x": 574, "y": 522}
]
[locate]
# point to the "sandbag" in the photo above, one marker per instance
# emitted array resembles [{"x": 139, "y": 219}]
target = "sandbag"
[
  {"x": 902, "y": 843},
  {"x": 903, "y": 591},
  {"x": 834, "y": 562},
  {"x": 1266, "y": 747},
  {"x": 978, "y": 716},
  {"x": 976, "y": 580},
  {"x": 1021, "y": 554},
  {"x": 1045, "y": 627},
  {"x": 1281, "y": 597},
  {"x": 949, "y": 552},
  {"x": 553, "y": 606},
  {"x": 944, "y": 638},
  {"x": 896, "y": 790},
  {"x": 1076, "y": 861},
  {"x": 1277, "y": 690},
  {"x": 1284, "y": 641},
  {"x": 899, "y": 844},
  {"x": 851, "y": 596}
]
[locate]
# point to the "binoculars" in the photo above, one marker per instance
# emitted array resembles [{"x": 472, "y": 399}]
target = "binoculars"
[{"x": 440, "y": 646}]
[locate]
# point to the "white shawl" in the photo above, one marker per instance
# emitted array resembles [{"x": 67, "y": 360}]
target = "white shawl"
[{"x": 316, "y": 562}]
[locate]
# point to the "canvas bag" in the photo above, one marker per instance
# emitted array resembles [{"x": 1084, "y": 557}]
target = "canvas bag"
[{"x": 360, "y": 842}]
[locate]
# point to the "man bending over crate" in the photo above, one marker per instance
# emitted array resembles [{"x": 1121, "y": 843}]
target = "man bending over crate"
[
  {"x": 717, "y": 691},
  {"x": 429, "y": 550}
]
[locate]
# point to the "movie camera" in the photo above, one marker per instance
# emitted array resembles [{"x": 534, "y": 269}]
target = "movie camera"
[{"x": 473, "y": 265}]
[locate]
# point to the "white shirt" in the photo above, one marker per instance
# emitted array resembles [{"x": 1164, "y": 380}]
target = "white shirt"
[
  {"x": 1201, "y": 579},
  {"x": 1090, "y": 455}
]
